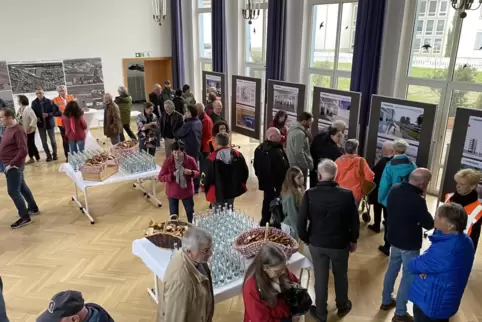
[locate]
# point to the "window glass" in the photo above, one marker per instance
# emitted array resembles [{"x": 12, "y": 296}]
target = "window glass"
[
  {"x": 443, "y": 8},
  {"x": 432, "y": 8},
  {"x": 205, "y": 38},
  {"x": 419, "y": 27},
  {"x": 468, "y": 64},
  {"x": 347, "y": 36},
  {"x": 344, "y": 83},
  {"x": 429, "y": 28},
  {"x": 254, "y": 40},
  {"x": 422, "y": 7},
  {"x": 325, "y": 23},
  {"x": 440, "y": 27},
  {"x": 416, "y": 45},
  {"x": 437, "y": 46},
  {"x": 204, "y": 3}
]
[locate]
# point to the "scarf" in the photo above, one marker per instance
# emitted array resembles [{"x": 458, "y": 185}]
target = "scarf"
[
  {"x": 465, "y": 200},
  {"x": 179, "y": 173}
]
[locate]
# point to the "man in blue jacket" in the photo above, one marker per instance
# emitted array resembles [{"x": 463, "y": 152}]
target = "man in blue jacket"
[
  {"x": 442, "y": 272},
  {"x": 46, "y": 112},
  {"x": 190, "y": 133},
  {"x": 408, "y": 215},
  {"x": 397, "y": 170}
]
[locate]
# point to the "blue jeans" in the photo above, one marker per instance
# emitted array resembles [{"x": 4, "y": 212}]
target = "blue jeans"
[
  {"x": 398, "y": 257},
  {"x": 20, "y": 193},
  {"x": 76, "y": 146},
  {"x": 3, "y": 310},
  {"x": 188, "y": 206}
]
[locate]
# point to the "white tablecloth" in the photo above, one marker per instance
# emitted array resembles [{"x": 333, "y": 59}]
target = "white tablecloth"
[
  {"x": 76, "y": 176},
  {"x": 157, "y": 259}
]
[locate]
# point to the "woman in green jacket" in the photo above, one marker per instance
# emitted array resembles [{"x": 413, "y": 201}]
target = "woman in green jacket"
[
  {"x": 291, "y": 194},
  {"x": 124, "y": 101}
]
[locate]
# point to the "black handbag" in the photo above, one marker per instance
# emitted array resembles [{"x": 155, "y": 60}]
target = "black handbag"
[{"x": 297, "y": 299}]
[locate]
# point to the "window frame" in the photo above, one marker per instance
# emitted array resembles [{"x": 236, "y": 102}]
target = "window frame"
[{"x": 334, "y": 73}]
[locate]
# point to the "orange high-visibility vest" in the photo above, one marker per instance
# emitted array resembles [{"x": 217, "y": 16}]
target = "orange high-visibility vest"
[
  {"x": 59, "y": 102},
  {"x": 473, "y": 210}
]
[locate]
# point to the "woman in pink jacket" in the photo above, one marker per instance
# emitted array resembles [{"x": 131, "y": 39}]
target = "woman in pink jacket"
[
  {"x": 351, "y": 167},
  {"x": 178, "y": 172}
]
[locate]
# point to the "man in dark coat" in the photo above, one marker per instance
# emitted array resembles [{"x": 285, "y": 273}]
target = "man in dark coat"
[
  {"x": 326, "y": 145},
  {"x": 179, "y": 103},
  {"x": 270, "y": 166},
  {"x": 170, "y": 124},
  {"x": 156, "y": 100},
  {"x": 387, "y": 154}
]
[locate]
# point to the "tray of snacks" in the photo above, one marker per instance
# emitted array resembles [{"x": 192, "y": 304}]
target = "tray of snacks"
[
  {"x": 99, "y": 167},
  {"x": 166, "y": 234},
  {"x": 125, "y": 147},
  {"x": 250, "y": 242}
]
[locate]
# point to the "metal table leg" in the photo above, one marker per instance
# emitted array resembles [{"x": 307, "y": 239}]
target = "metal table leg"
[
  {"x": 84, "y": 209},
  {"x": 149, "y": 195},
  {"x": 154, "y": 292}
]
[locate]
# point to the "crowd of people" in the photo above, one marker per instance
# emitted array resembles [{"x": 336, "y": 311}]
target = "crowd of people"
[{"x": 317, "y": 182}]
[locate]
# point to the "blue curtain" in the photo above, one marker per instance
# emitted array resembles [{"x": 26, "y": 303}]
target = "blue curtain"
[
  {"x": 219, "y": 42},
  {"x": 367, "y": 56},
  {"x": 176, "y": 45},
  {"x": 275, "y": 48}
]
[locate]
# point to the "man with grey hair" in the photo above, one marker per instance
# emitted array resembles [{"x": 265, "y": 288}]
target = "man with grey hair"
[
  {"x": 332, "y": 234},
  {"x": 156, "y": 100},
  {"x": 61, "y": 102},
  {"x": 171, "y": 122},
  {"x": 187, "y": 294},
  {"x": 408, "y": 215},
  {"x": 386, "y": 155},
  {"x": 397, "y": 170},
  {"x": 124, "y": 101}
]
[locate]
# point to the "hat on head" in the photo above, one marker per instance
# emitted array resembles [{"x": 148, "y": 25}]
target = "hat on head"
[{"x": 63, "y": 304}]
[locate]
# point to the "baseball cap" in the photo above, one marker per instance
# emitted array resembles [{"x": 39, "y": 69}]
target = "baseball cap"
[{"x": 63, "y": 304}]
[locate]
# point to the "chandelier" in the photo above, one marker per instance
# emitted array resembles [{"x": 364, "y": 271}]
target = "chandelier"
[
  {"x": 159, "y": 11},
  {"x": 464, "y": 5},
  {"x": 251, "y": 10}
]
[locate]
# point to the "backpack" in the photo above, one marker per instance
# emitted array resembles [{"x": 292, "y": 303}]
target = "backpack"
[{"x": 277, "y": 214}]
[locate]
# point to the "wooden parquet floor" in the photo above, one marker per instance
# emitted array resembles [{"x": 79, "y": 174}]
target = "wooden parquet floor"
[{"x": 61, "y": 250}]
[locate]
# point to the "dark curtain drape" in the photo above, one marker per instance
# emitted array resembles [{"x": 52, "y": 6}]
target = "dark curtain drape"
[
  {"x": 219, "y": 42},
  {"x": 366, "y": 57},
  {"x": 275, "y": 48},
  {"x": 176, "y": 45}
]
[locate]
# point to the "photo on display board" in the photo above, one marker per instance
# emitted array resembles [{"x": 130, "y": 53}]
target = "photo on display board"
[
  {"x": 333, "y": 108},
  {"x": 246, "y": 92},
  {"x": 7, "y": 98},
  {"x": 213, "y": 82},
  {"x": 88, "y": 96},
  {"x": 86, "y": 71},
  {"x": 285, "y": 98},
  {"x": 245, "y": 117},
  {"x": 472, "y": 155},
  {"x": 4, "y": 79},
  {"x": 399, "y": 122},
  {"x": 26, "y": 77}
]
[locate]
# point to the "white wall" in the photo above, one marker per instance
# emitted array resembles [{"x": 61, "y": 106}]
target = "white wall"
[{"x": 59, "y": 29}]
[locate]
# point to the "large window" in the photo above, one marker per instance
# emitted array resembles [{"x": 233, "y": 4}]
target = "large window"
[
  {"x": 332, "y": 40},
  {"x": 443, "y": 68},
  {"x": 205, "y": 46},
  {"x": 255, "y": 44}
]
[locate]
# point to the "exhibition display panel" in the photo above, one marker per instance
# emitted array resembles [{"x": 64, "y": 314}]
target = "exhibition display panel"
[
  {"x": 465, "y": 149},
  {"x": 289, "y": 97},
  {"x": 217, "y": 81},
  {"x": 80, "y": 183},
  {"x": 157, "y": 259},
  {"x": 246, "y": 106},
  {"x": 393, "y": 118},
  {"x": 330, "y": 105}
]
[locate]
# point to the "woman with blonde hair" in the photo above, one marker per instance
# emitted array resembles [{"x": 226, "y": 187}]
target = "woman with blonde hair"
[
  {"x": 291, "y": 195},
  {"x": 466, "y": 195}
]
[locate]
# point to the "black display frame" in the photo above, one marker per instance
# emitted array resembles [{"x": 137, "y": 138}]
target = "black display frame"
[
  {"x": 425, "y": 142},
  {"x": 224, "y": 87},
  {"x": 455, "y": 151},
  {"x": 256, "y": 134},
  {"x": 353, "y": 122},
  {"x": 268, "y": 117}
]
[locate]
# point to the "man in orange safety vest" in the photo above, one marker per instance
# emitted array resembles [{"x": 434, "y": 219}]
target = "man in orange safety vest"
[{"x": 61, "y": 101}]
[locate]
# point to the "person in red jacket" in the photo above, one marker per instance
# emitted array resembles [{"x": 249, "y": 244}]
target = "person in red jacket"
[
  {"x": 75, "y": 126},
  {"x": 279, "y": 122},
  {"x": 178, "y": 172},
  {"x": 263, "y": 282},
  {"x": 206, "y": 133}
]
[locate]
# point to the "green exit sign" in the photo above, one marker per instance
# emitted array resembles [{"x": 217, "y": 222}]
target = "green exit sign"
[{"x": 143, "y": 54}]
